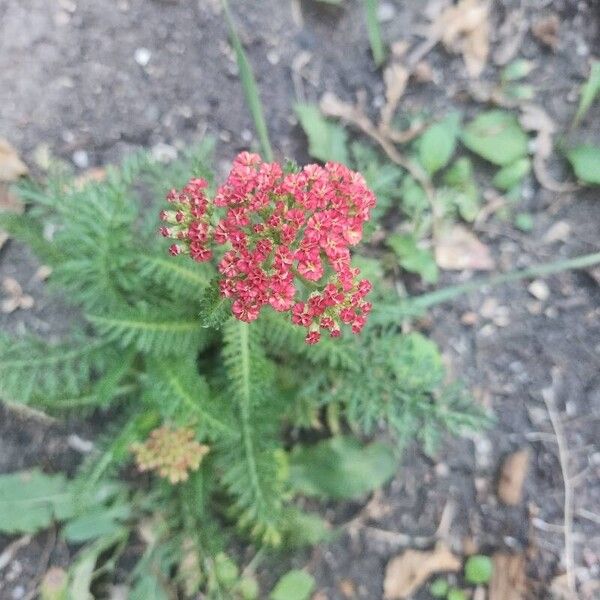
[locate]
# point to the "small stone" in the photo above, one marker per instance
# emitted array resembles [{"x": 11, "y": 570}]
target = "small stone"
[
  {"x": 502, "y": 316},
  {"x": 273, "y": 57},
  {"x": 18, "y": 592},
  {"x": 442, "y": 470},
  {"x": 81, "y": 159},
  {"x": 534, "y": 308},
  {"x": 488, "y": 308},
  {"x": 246, "y": 136},
  {"x": 164, "y": 153},
  {"x": 469, "y": 318},
  {"x": 386, "y": 12},
  {"x": 560, "y": 231},
  {"x": 142, "y": 56},
  {"x": 79, "y": 444},
  {"x": 539, "y": 289},
  {"x": 225, "y": 136}
]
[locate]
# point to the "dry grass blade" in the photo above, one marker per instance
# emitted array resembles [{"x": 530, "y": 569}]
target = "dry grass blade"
[
  {"x": 548, "y": 395},
  {"x": 508, "y": 577}
]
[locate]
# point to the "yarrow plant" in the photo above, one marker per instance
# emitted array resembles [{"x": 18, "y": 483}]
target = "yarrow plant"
[{"x": 288, "y": 236}]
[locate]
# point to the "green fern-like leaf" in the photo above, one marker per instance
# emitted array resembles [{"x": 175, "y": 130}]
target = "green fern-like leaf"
[
  {"x": 31, "y": 368},
  {"x": 253, "y": 473},
  {"x": 186, "y": 280},
  {"x": 154, "y": 331},
  {"x": 174, "y": 386},
  {"x": 283, "y": 338}
]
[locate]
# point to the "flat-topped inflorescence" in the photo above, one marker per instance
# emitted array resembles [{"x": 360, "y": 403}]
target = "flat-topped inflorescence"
[{"x": 289, "y": 236}]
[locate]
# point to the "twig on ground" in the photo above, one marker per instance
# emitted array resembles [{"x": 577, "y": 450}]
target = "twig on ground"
[
  {"x": 332, "y": 106},
  {"x": 9, "y": 552},
  {"x": 548, "y": 396}
]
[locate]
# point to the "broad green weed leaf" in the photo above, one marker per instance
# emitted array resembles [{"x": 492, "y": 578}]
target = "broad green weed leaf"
[
  {"x": 31, "y": 500},
  {"x": 294, "y": 585},
  {"x": 437, "y": 144},
  {"x": 412, "y": 258},
  {"x": 589, "y": 90},
  {"x": 496, "y": 136},
  {"x": 466, "y": 197},
  {"x": 340, "y": 468},
  {"x": 507, "y": 177},
  {"x": 439, "y": 588},
  {"x": 414, "y": 198},
  {"x": 517, "y": 69},
  {"x": 326, "y": 139},
  {"x": 478, "y": 569},
  {"x": 585, "y": 161}
]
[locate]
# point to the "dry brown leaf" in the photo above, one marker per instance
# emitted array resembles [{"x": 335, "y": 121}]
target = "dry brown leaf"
[
  {"x": 11, "y": 166},
  {"x": 407, "y": 572},
  {"x": 546, "y": 30},
  {"x": 15, "y": 296},
  {"x": 465, "y": 29},
  {"x": 458, "y": 249},
  {"x": 395, "y": 78},
  {"x": 97, "y": 174},
  {"x": 512, "y": 477},
  {"x": 559, "y": 588},
  {"x": 508, "y": 577},
  {"x": 347, "y": 588},
  {"x": 559, "y": 232}
]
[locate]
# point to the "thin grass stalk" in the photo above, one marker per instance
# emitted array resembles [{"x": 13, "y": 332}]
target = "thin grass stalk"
[
  {"x": 377, "y": 47},
  {"x": 417, "y": 304},
  {"x": 249, "y": 86}
]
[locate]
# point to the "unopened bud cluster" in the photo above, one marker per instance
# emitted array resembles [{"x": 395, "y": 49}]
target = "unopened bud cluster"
[
  {"x": 282, "y": 229},
  {"x": 172, "y": 453}
]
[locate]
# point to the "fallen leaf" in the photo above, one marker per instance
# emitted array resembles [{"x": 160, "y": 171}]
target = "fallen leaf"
[
  {"x": 407, "y": 572},
  {"x": 96, "y": 174},
  {"x": 465, "y": 30},
  {"x": 512, "y": 477},
  {"x": 458, "y": 249},
  {"x": 546, "y": 30},
  {"x": 11, "y": 166},
  {"x": 16, "y": 298},
  {"x": 347, "y": 588},
  {"x": 559, "y": 588},
  {"x": 508, "y": 577}
]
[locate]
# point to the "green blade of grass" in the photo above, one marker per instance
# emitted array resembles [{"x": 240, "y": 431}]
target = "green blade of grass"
[
  {"x": 250, "y": 88},
  {"x": 374, "y": 32},
  {"x": 415, "y": 306}
]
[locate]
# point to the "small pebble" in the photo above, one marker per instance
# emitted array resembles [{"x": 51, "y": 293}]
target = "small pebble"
[
  {"x": 539, "y": 289},
  {"x": 81, "y": 159},
  {"x": 142, "y": 56},
  {"x": 246, "y": 135},
  {"x": 18, "y": 592},
  {"x": 164, "y": 153},
  {"x": 273, "y": 57},
  {"x": 385, "y": 12}
]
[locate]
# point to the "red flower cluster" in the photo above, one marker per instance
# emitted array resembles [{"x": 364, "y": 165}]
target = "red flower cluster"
[{"x": 282, "y": 228}]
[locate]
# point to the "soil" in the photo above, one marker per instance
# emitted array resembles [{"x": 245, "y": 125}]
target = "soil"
[{"x": 95, "y": 80}]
